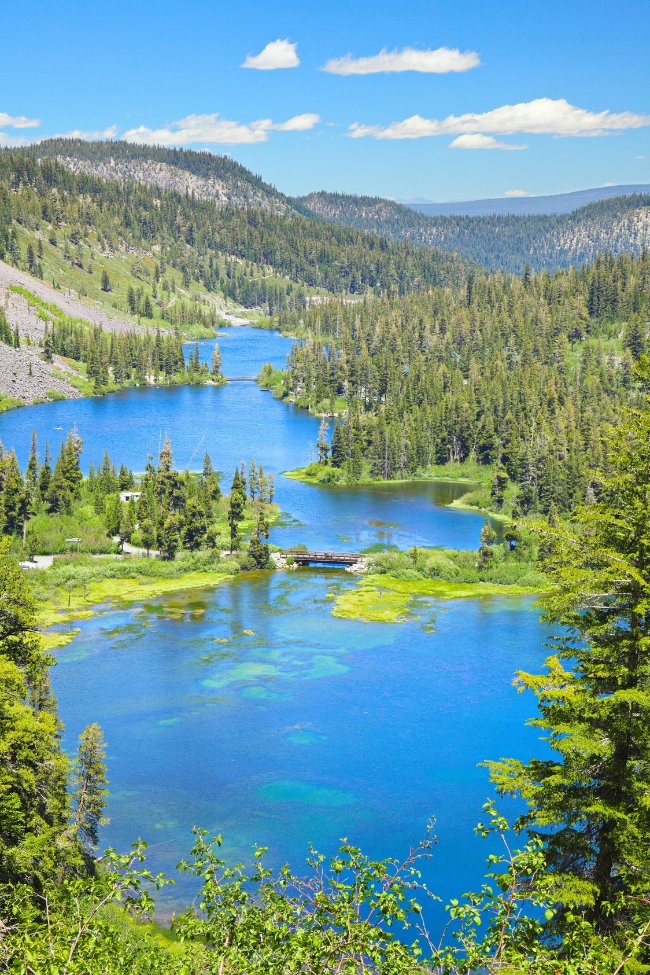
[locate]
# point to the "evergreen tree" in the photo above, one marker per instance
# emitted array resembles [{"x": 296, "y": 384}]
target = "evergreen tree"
[
  {"x": 33, "y": 770},
  {"x": 591, "y": 800},
  {"x": 216, "y": 363},
  {"x": 89, "y": 787},
  {"x": 236, "y": 508},
  {"x": 13, "y": 496},
  {"x": 147, "y": 534},
  {"x": 322, "y": 445}
]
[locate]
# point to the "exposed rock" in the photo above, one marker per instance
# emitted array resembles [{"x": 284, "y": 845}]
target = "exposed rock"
[
  {"x": 68, "y": 302},
  {"x": 229, "y": 191},
  {"x": 16, "y": 382}
]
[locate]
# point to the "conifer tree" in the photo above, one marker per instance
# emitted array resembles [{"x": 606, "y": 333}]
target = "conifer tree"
[
  {"x": 590, "y": 801},
  {"x": 89, "y": 787},
  {"x": 236, "y": 507}
]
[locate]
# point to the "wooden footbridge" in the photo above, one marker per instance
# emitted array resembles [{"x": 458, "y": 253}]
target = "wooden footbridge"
[
  {"x": 240, "y": 379},
  {"x": 324, "y": 558}
]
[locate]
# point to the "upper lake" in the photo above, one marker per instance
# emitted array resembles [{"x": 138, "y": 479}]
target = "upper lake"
[{"x": 239, "y": 421}]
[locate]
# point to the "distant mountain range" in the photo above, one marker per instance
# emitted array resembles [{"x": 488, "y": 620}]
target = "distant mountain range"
[
  {"x": 526, "y": 205},
  {"x": 501, "y": 234}
]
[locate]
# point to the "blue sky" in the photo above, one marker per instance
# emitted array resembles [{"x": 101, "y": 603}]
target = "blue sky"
[{"x": 471, "y": 98}]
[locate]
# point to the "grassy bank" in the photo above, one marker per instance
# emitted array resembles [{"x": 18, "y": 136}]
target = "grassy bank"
[
  {"x": 385, "y": 599},
  {"x": 73, "y": 588}
]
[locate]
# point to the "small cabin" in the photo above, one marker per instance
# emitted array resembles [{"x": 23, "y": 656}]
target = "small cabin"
[{"x": 127, "y": 496}]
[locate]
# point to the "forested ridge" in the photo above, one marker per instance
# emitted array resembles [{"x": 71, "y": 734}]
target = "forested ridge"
[
  {"x": 526, "y": 373},
  {"x": 501, "y": 242},
  {"x": 248, "y": 254}
]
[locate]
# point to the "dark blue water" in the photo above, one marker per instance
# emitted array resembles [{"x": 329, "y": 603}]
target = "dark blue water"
[
  {"x": 240, "y": 421},
  {"x": 249, "y": 710}
]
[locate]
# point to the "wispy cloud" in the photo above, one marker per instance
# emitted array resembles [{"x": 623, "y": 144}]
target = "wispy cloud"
[
  {"x": 277, "y": 54},
  {"x": 442, "y": 60},
  {"x": 206, "y": 129},
  {"x": 88, "y": 135},
  {"x": 543, "y": 116},
  {"x": 516, "y": 193},
  {"x": 475, "y": 140},
  {"x": 13, "y": 141},
  {"x": 18, "y": 122}
]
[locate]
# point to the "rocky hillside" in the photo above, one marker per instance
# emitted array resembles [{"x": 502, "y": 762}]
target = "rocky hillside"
[
  {"x": 199, "y": 174},
  {"x": 498, "y": 242},
  {"x": 24, "y": 375}
]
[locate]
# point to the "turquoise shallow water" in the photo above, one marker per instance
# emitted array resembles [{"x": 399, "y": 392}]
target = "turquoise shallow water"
[
  {"x": 248, "y": 709},
  {"x": 251, "y": 711}
]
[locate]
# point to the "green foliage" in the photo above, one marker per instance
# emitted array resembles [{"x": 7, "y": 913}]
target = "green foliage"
[
  {"x": 228, "y": 249},
  {"x": 498, "y": 242},
  {"x": 590, "y": 800},
  {"x": 89, "y": 786},
  {"x": 33, "y": 799},
  {"x": 523, "y": 375}
]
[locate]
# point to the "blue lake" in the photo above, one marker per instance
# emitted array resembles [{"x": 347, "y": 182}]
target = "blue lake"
[
  {"x": 248, "y": 709},
  {"x": 237, "y": 422}
]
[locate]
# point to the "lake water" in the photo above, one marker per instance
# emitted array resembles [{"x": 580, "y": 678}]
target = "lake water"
[
  {"x": 248, "y": 709},
  {"x": 239, "y": 421}
]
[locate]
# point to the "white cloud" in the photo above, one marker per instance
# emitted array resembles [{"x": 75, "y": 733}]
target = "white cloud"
[
  {"x": 277, "y": 54},
  {"x": 212, "y": 129},
  {"x": 474, "y": 140},
  {"x": 88, "y": 136},
  {"x": 18, "y": 122},
  {"x": 299, "y": 123},
  {"x": 516, "y": 193},
  {"x": 442, "y": 60},
  {"x": 543, "y": 116},
  {"x": 12, "y": 141}
]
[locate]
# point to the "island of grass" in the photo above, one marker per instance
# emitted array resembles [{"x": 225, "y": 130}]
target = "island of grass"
[
  {"x": 396, "y": 580},
  {"x": 75, "y": 588}
]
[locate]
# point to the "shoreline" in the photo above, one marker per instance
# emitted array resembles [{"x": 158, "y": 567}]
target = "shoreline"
[{"x": 301, "y": 474}]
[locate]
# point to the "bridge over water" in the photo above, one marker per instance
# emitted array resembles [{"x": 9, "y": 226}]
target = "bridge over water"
[{"x": 324, "y": 558}]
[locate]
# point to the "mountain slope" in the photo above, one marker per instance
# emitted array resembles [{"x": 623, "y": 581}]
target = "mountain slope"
[
  {"x": 200, "y": 174},
  {"x": 506, "y": 243},
  {"x": 173, "y": 255},
  {"x": 527, "y": 205}
]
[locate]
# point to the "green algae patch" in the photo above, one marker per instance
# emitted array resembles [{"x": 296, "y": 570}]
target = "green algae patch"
[
  {"x": 56, "y": 639},
  {"x": 83, "y": 603},
  {"x": 371, "y": 605},
  {"x": 385, "y": 599},
  {"x": 440, "y": 589},
  {"x": 294, "y": 790}
]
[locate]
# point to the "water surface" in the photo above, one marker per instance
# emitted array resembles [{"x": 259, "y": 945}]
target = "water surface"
[
  {"x": 240, "y": 421},
  {"x": 249, "y": 710}
]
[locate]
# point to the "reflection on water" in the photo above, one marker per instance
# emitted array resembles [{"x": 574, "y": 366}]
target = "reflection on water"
[{"x": 263, "y": 718}]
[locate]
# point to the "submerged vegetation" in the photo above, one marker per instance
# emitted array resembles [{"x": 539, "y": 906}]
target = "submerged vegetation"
[
  {"x": 427, "y": 368},
  {"x": 573, "y": 898}
]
